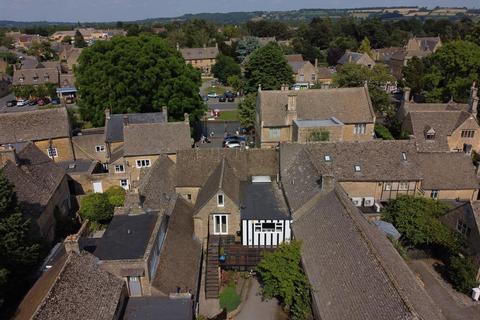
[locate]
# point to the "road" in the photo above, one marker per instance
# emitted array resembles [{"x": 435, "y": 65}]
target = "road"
[
  {"x": 255, "y": 308},
  {"x": 442, "y": 295}
]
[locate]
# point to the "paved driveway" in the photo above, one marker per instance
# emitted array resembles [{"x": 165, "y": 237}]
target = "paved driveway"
[
  {"x": 255, "y": 308},
  {"x": 452, "y": 304}
]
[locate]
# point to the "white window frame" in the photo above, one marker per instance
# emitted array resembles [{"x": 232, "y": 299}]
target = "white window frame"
[
  {"x": 143, "y": 163},
  {"x": 360, "y": 128},
  {"x": 403, "y": 186},
  {"x": 125, "y": 186},
  {"x": 220, "y": 203},
  {"x": 219, "y": 216},
  {"x": 100, "y": 148},
  {"x": 117, "y": 168},
  {"x": 52, "y": 152},
  {"x": 387, "y": 186}
]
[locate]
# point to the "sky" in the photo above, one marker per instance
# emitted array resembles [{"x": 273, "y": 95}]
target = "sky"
[{"x": 124, "y": 10}]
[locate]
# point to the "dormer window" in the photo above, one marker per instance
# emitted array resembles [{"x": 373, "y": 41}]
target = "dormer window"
[
  {"x": 220, "y": 200},
  {"x": 468, "y": 133},
  {"x": 357, "y": 168},
  {"x": 46, "y": 77},
  {"x": 429, "y": 133},
  {"x": 35, "y": 78},
  {"x": 328, "y": 158},
  {"x": 21, "y": 79}
]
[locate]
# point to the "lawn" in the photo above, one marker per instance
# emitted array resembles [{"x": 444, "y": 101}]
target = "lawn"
[
  {"x": 229, "y": 299},
  {"x": 228, "y": 115},
  {"x": 217, "y": 89}
]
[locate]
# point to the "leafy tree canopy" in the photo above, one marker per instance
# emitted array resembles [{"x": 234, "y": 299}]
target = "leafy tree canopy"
[
  {"x": 96, "y": 207},
  {"x": 79, "y": 41},
  {"x": 246, "y": 46},
  {"x": 283, "y": 277},
  {"x": 355, "y": 75},
  {"x": 448, "y": 73},
  {"x": 267, "y": 67},
  {"x": 116, "y": 196},
  {"x": 246, "y": 110},
  {"x": 136, "y": 74},
  {"x": 365, "y": 47},
  {"x": 18, "y": 255},
  {"x": 417, "y": 219},
  {"x": 42, "y": 50},
  {"x": 225, "y": 67}
]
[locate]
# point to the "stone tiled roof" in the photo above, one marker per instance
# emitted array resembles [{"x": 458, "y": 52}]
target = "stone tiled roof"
[
  {"x": 34, "y": 125},
  {"x": 194, "y": 166},
  {"x": 447, "y": 171},
  {"x": 442, "y": 122},
  {"x": 41, "y": 73},
  {"x": 156, "y": 138},
  {"x": 180, "y": 258},
  {"x": 157, "y": 187},
  {"x": 115, "y": 122},
  {"x": 349, "y": 105},
  {"x": 355, "y": 57},
  {"x": 222, "y": 178},
  {"x": 35, "y": 177},
  {"x": 354, "y": 271},
  {"x": 199, "y": 53},
  {"x": 75, "y": 288},
  {"x": 379, "y": 160}
]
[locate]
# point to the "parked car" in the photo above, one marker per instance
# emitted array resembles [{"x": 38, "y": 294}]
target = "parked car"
[
  {"x": 213, "y": 95},
  {"x": 205, "y": 98},
  {"x": 231, "y": 99},
  {"x": 222, "y": 98},
  {"x": 43, "y": 101},
  {"x": 32, "y": 102},
  {"x": 55, "y": 100},
  {"x": 11, "y": 103},
  {"x": 22, "y": 102},
  {"x": 232, "y": 144}
]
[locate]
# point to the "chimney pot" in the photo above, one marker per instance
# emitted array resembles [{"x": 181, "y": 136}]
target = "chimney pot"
[
  {"x": 186, "y": 118},
  {"x": 8, "y": 152},
  {"x": 125, "y": 120},
  {"x": 165, "y": 113},
  {"x": 406, "y": 94}
]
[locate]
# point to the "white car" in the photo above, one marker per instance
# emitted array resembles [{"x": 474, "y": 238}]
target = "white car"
[
  {"x": 22, "y": 103},
  {"x": 213, "y": 95},
  {"x": 232, "y": 145}
]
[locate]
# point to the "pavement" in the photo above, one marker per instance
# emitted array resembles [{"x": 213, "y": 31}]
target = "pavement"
[
  {"x": 256, "y": 308},
  {"x": 454, "y": 305}
]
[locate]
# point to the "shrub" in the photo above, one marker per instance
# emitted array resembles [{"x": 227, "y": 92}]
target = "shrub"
[
  {"x": 318, "y": 135},
  {"x": 462, "y": 273},
  {"x": 116, "y": 196},
  {"x": 382, "y": 132},
  {"x": 283, "y": 277},
  {"x": 96, "y": 207},
  {"x": 229, "y": 299}
]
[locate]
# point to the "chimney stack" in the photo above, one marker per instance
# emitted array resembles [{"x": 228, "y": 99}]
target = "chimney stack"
[
  {"x": 186, "y": 119},
  {"x": 291, "y": 108},
  {"x": 125, "y": 120},
  {"x": 327, "y": 182},
  {"x": 259, "y": 87},
  {"x": 8, "y": 152},
  {"x": 316, "y": 63},
  {"x": 284, "y": 87},
  {"x": 107, "y": 114},
  {"x": 178, "y": 47},
  {"x": 165, "y": 113}
]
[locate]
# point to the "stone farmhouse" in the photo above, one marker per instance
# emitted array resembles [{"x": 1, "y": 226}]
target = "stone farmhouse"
[{"x": 202, "y": 59}]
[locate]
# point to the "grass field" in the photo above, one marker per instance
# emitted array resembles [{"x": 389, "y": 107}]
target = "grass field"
[
  {"x": 228, "y": 115},
  {"x": 229, "y": 299}
]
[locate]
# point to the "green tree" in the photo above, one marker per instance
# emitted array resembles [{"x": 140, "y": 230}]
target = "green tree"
[
  {"x": 451, "y": 71},
  {"x": 237, "y": 83},
  {"x": 267, "y": 67},
  {"x": 365, "y": 47},
  {"x": 67, "y": 39},
  {"x": 116, "y": 196},
  {"x": 355, "y": 75},
  {"x": 42, "y": 50},
  {"x": 18, "y": 255},
  {"x": 462, "y": 272},
  {"x": 246, "y": 46},
  {"x": 25, "y": 91},
  {"x": 382, "y": 132},
  {"x": 283, "y": 277},
  {"x": 414, "y": 75},
  {"x": 97, "y": 208},
  {"x": 79, "y": 41},
  {"x": 417, "y": 219},
  {"x": 225, "y": 67},
  {"x": 136, "y": 74},
  {"x": 246, "y": 110}
]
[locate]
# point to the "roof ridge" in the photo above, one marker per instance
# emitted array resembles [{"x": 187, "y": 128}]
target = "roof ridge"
[
  {"x": 373, "y": 250},
  {"x": 222, "y": 174},
  {"x": 45, "y": 297}
]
